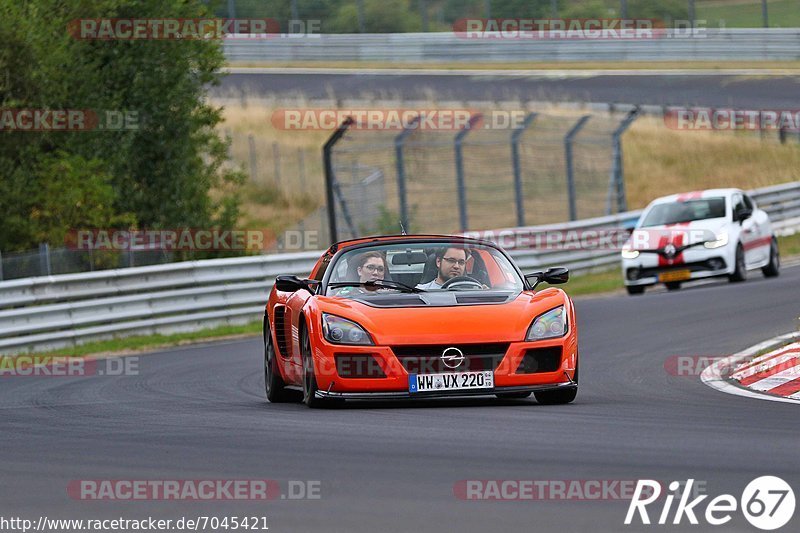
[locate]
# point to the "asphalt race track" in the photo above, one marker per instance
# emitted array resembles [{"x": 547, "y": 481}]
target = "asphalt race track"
[
  {"x": 199, "y": 413},
  {"x": 742, "y": 92}
]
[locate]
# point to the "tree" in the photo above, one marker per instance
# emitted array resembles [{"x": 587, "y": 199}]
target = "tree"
[{"x": 157, "y": 173}]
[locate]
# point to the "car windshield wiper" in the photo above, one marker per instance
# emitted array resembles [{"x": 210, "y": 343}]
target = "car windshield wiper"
[{"x": 380, "y": 283}]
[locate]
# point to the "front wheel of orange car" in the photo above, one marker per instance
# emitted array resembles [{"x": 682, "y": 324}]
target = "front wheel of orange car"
[
  {"x": 274, "y": 386},
  {"x": 309, "y": 378},
  {"x": 559, "y": 396}
]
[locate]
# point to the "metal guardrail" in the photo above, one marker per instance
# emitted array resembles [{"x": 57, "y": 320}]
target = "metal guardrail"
[
  {"x": 59, "y": 311},
  {"x": 713, "y": 44}
]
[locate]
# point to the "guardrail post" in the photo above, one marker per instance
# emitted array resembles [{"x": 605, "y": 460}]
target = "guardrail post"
[
  {"x": 515, "y": 135},
  {"x": 573, "y": 208},
  {"x": 399, "y": 143},
  {"x": 616, "y": 181},
  {"x": 460, "y": 183},
  {"x": 44, "y": 259},
  {"x": 327, "y": 150}
]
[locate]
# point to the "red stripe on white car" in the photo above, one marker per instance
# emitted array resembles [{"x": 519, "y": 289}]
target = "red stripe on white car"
[
  {"x": 676, "y": 239},
  {"x": 689, "y": 196},
  {"x": 755, "y": 243}
]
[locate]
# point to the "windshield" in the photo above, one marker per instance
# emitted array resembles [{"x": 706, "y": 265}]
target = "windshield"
[
  {"x": 677, "y": 212},
  {"x": 421, "y": 266}
]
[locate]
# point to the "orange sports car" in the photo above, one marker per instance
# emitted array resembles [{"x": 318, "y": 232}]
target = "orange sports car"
[{"x": 419, "y": 316}]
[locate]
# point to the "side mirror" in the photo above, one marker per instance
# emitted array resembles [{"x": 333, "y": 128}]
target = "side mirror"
[
  {"x": 742, "y": 214},
  {"x": 293, "y": 284},
  {"x": 556, "y": 275},
  {"x": 553, "y": 276}
]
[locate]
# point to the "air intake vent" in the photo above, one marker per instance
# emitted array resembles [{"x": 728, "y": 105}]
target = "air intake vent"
[
  {"x": 358, "y": 365},
  {"x": 540, "y": 360},
  {"x": 280, "y": 331},
  {"x": 481, "y": 299}
]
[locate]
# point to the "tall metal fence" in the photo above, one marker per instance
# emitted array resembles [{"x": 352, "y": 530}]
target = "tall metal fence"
[{"x": 550, "y": 168}]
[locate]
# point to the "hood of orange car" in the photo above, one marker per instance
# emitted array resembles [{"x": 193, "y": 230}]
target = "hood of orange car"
[{"x": 463, "y": 323}]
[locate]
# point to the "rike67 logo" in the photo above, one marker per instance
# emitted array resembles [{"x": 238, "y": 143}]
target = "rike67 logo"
[{"x": 767, "y": 503}]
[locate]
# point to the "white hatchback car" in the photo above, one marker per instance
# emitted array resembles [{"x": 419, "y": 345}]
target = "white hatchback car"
[{"x": 682, "y": 237}]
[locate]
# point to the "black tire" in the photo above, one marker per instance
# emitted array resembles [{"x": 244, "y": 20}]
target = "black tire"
[
  {"x": 635, "y": 289},
  {"x": 274, "y": 386},
  {"x": 512, "y": 395},
  {"x": 559, "y": 396},
  {"x": 773, "y": 268},
  {"x": 309, "y": 379},
  {"x": 673, "y": 285},
  {"x": 740, "y": 274}
]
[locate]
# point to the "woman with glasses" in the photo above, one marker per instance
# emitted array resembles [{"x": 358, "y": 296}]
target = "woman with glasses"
[{"x": 369, "y": 266}]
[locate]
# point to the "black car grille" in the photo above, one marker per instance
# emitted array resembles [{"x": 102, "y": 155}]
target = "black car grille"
[
  {"x": 698, "y": 266},
  {"x": 427, "y": 359}
]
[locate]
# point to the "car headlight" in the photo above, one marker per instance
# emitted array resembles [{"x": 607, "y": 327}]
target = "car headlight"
[
  {"x": 722, "y": 240},
  {"x": 339, "y": 330},
  {"x": 627, "y": 253},
  {"x": 548, "y": 325}
]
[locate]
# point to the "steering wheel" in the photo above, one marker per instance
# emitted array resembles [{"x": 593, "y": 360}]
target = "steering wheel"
[{"x": 462, "y": 281}]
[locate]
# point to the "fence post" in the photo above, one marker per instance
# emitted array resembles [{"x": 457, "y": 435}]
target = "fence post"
[
  {"x": 616, "y": 182},
  {"x": 399, "y": 142},
  {"x": 251, "y": 142},
  {"x": 515, "y": 135},
  {"x": 573, "y": 208},
  {"x": 327, "y": 158},
  {"x": 276, "y": 157},
  {"x": 1, "y": 266},
  {"x": 460, "y": 183},
  {"x": 301, "y": 167},
  {"x": 44, "y": 259}
]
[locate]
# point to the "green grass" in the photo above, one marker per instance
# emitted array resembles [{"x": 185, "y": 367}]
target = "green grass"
[
  {"x": 594, "y": 283},
  {"x": 781, "y": 14},
  {"x": 151, "y": 342},
  {"x": 790, "y": 245}
]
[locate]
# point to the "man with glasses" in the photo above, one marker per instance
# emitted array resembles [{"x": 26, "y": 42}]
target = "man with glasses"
[{"x": 450, "y": 263}]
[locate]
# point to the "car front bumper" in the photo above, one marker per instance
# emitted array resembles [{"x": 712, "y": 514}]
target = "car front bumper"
[{"x": 440, "y": 394}]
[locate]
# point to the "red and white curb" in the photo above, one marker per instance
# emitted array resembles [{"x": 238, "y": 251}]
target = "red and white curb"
[{"x": 774, "y": 375}]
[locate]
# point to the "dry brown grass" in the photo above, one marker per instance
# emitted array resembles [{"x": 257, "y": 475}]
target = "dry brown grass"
[
  {"x": 657, "y": 161},
  {"x": 661, "y": 161}
]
